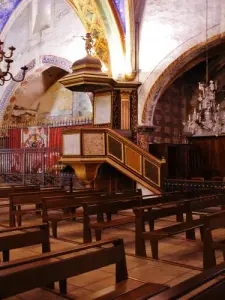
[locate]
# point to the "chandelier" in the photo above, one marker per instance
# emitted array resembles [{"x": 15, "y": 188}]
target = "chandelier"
[
  {"x": 207, "y": 116},
  {"x": 6, "y": 75}
]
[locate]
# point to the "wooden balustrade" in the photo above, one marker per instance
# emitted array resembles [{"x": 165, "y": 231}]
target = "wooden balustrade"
[{"x": 95, "y": 146}]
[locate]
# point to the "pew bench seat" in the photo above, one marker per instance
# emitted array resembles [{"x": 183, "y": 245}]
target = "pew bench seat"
[
  {"x": 14, "y": 238},
  {"x": 18, "y": 214},
  {"x": 99, "y": 226},
  {"x": 156, "y": 235},
  {"x": 55, "y": 218},
  {"x": 112, "y": 223},
  {"x": 45, "y": 269},
  {"x": 206, "y": 211},
  {"x": 128, "y": 289}
]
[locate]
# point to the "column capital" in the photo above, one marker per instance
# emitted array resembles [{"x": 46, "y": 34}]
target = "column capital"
[{"x": 125, "y": 94}]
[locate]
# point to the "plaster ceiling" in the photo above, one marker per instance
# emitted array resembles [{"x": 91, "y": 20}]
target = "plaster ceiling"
[{"x": 8, "y": 6}]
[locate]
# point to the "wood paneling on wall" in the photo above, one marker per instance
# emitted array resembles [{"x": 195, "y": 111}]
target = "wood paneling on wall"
[{"x": 213, "y": 155}]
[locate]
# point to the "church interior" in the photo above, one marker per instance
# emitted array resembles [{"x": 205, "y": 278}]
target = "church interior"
[{"x": 112, "y": 143}]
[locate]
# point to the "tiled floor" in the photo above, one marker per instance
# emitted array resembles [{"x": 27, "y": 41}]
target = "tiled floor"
[{"x": 179, "y": 259}]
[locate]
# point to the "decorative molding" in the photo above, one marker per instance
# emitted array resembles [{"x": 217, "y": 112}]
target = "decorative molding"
[
  {"x": 57, "y": 61},
  {"x": 151, "y": 172},
  {"x": 115, "y": 148},
  {"x": 143, "y": 141},
  {"x": 93, "y": 143},
  {"x": 116, "y": 122},
  {"x": 133, "y": 160},
  {"x": 125, "y": 110},
  {"x": 134, "y": 115}
]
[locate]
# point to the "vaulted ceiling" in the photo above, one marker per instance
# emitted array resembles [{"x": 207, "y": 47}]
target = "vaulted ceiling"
[
  {"x": 6, "y": 9},
  {"x": 8, "y": 6}
]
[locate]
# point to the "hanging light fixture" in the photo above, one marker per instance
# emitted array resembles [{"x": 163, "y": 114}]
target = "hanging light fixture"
[
  {"x": 6, "y": 75},
  {"x": 207, "y": 115}
]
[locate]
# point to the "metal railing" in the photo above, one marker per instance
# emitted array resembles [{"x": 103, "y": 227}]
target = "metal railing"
[
  {"x": 45, "y": 179},
  {"x": 28, "y": 160},
  {"x": 50, "y": 123}
]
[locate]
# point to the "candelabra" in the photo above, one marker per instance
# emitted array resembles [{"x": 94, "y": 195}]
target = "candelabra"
[
  {"x": 6, "y": 75},
  {"x": 207, "y": 115}
]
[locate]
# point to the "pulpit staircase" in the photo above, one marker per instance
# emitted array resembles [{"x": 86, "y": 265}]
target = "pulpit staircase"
[{"x": 86, "y": 149}]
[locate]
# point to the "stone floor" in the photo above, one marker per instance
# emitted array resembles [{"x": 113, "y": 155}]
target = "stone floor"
[{"x": 179, "y": 259}]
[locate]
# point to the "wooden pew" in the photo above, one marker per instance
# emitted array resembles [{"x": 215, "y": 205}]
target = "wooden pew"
[
  {"x": 212, "y": 222},
  {"x": 47, "y": 268},
  {"x": 14, "y": 238},
  {"x": 150, "y": 214},
  {"x": 71, "y": 202},
  {"x": 18, "y": 201},
  {"x": 60, "y": 203},
  {"x": 6, "y": 191},
  {"x": 104, "y": 208},
  {"x": 215, "y": 289}
]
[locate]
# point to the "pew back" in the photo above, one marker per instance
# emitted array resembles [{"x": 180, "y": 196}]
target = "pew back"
[
  {"x": 33, "y": 197},
  {"x": 58, "y": 266},
  {"x": 26, "y": 236},
  {"x": 6, "y": 191}
]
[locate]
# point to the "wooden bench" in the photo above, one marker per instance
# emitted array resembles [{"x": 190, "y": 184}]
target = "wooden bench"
[
  {"x": 18, "y": 203},
  {"x": 70, "y": 203},
  {"x": 104, "y": 209},
  {"x": 48, "y": 268},
  {"x": 6, "y": 191},
  {"x": 18, "y": 200},
  {"x": 211, "y": 283},
  {"x": 212, "y": 222},
  {"x": 14, "y": 238},
  {"x": 150, "y": 214}
]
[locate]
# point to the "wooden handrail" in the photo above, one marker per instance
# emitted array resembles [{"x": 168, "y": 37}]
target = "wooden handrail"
[
  {"x": 121, "y": 138},
  {"x": 121, "y": 153}
]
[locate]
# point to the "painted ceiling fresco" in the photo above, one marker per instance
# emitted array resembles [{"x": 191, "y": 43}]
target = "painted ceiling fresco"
[
  {"x": 6, "y": 9},
  {"x": 121, "y": 11}
]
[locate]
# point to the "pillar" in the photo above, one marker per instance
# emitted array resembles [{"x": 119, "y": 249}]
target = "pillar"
[{"x": 125, "y": 110}]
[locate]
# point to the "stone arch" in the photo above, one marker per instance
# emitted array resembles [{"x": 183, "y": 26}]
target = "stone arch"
[
  {"x": 45, "y": 61},
  {"x": 149, "y": 97},
  {"x": 11, "y": 87},
  {"x": 101, "y": 21}
]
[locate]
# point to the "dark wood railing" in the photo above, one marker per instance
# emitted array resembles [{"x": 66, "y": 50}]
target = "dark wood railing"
[{"x": 171, "y": 185}]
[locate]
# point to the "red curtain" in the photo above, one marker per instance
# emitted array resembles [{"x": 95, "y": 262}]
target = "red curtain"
[
  {"x": 15, "y": 138},
  {"x": 55, "y": 138},
  {"x": 54, "y": 145}
]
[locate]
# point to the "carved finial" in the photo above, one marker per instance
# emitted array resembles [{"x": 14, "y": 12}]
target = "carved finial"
[{"x": 89, "y": 43}]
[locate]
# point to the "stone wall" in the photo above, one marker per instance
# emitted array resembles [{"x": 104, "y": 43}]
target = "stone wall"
[{"x": 169, "y": 29}]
